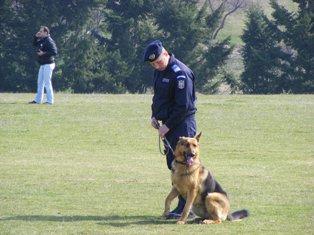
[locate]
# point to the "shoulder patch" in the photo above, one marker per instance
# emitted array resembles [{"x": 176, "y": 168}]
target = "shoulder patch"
[
  {"x": 181, "y": 82},
  {"x": 175, "y": 68}
]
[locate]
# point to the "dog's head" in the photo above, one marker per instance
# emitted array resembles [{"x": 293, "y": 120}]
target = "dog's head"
[{"x": 187, "y": 149}]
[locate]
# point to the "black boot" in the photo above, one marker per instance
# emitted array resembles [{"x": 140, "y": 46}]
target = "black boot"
[{"x": 176, "y": 213}]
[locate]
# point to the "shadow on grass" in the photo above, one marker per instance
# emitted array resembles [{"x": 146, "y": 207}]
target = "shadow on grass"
[{"x": 114, "y": 220}]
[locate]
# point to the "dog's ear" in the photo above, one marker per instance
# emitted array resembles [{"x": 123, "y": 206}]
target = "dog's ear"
[{"x": 198, "y": 137}]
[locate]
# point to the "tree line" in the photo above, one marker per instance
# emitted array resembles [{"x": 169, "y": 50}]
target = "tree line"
[
  {"x": 278, "y": 54},
  {"x": 101, "y": 44}
]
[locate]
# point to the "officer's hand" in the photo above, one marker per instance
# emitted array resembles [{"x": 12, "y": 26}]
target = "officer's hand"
[
  {"x": 154, "y": 123},
  {"x": 163, "y": 130}
]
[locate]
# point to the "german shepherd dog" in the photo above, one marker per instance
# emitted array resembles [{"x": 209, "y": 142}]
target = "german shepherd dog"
[{"x": 203, "y": 194}]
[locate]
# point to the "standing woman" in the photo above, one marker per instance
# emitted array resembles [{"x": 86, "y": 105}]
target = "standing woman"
[{"x": 46, "y": 50}]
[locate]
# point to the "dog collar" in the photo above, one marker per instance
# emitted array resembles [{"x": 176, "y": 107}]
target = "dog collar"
[
  {"x": 182, "y": 163},
  {"x": 173, "y": 165}
]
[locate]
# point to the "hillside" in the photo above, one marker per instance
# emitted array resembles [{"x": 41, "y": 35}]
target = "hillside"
[
  {"x": 236, "y": 22},
  {"x": 234, "y": 27}
]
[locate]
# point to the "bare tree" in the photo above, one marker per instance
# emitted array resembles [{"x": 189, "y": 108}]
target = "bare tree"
[{"x": 229, "y": 7}]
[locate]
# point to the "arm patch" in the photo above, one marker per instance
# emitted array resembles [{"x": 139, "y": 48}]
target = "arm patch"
[{"x": 181, "y": 82}]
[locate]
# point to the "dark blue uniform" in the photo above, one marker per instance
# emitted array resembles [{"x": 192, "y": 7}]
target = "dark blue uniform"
[{"x": 174, "y": 102}]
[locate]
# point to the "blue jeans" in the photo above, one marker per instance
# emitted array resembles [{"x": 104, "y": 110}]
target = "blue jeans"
[
  {"x": 187, "y": 128},
  {"x": 44, "y": 82}
]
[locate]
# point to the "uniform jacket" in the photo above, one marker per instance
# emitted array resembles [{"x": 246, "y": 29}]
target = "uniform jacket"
[
  {"x": 174, "y": 93},
  {"x": 46, "y": 45}
]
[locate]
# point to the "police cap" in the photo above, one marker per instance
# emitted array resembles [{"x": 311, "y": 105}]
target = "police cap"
[{"x": 153, "y": 51}]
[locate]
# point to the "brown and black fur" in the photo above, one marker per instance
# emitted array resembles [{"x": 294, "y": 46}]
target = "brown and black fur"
[{"x": 203, "y": 194}]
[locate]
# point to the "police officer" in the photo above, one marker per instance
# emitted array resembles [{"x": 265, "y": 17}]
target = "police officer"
[{"x": 173, "y": 102}]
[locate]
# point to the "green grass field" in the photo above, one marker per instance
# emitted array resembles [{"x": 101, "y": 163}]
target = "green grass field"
[{"x": 90, "y": 164}]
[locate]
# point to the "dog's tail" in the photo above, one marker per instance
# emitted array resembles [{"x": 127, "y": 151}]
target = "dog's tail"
[{"x": 237, "y": 215}]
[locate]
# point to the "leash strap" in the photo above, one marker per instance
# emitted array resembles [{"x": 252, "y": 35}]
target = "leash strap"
[{"x": 166, "y": 144}]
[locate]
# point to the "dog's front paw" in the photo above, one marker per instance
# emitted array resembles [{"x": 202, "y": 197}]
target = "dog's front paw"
[
  {"x": 180, "y": 222},
  {"x": 165, "y": 214}
]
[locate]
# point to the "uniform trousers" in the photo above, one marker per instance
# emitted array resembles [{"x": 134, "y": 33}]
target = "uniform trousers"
[{"x": 187, "y": 129}]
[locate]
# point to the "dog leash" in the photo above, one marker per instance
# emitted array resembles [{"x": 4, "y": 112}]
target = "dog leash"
[{"x": 166, "y": 143}]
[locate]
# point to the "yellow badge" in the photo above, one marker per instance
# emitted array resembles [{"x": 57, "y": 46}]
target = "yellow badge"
[{"x": 181, "y": 84}]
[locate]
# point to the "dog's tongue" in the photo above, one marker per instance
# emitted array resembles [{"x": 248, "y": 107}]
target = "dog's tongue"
[{"x": 189, "y": 161}]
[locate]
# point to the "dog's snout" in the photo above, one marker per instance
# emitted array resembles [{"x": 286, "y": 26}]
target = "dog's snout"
[{"x": 189, "y": 154}]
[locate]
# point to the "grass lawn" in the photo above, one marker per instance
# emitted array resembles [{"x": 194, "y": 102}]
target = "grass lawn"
[{"x": 90, "y": 164}]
